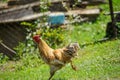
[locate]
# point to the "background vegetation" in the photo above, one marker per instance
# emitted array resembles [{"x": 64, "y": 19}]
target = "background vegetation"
[{"x": 95, "y": 62}]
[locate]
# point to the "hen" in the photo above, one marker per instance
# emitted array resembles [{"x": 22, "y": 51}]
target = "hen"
[{"x": 56, "y": 58}]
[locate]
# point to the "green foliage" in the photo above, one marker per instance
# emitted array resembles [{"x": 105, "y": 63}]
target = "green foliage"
[
  {"x": 20, "y": 49},
  {"x": 54, "y": 37},
  {"x": 43, "y": 7},
  {"x": 3, "y": 58},
  {"x": 28, "y": 61},
  {"x": 29, "y": 56}
]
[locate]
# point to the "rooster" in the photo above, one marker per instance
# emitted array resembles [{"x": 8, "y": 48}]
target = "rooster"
[{"x": 56, "y": 58}]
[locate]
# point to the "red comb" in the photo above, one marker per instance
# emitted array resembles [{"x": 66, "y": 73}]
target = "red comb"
[{"x": 36, "y": 38}]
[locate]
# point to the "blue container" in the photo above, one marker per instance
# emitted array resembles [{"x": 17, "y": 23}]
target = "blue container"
[{"x": 56, "y": 18}]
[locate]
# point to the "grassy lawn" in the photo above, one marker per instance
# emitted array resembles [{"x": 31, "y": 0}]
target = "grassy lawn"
[{"x": 95, "y": 62}]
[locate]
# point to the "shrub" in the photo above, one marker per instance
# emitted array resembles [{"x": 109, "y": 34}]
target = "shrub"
[
  {"x": 3, "y": 58},
  {"x": 54, "y": 37}
]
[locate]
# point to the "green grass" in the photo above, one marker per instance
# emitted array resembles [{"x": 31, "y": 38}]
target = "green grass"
[{"x": 95, "y": 62}]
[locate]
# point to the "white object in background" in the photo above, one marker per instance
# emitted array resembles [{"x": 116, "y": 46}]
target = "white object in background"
[{"x": 79, "y": 0}]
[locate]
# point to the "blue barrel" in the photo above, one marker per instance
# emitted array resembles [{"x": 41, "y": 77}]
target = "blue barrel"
[{"x": 56, "y": 18}]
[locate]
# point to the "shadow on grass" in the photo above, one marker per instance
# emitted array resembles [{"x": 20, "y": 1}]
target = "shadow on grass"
[
  {"x": 59, "y": 79},
  {"x": 96, "y": 42}
]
